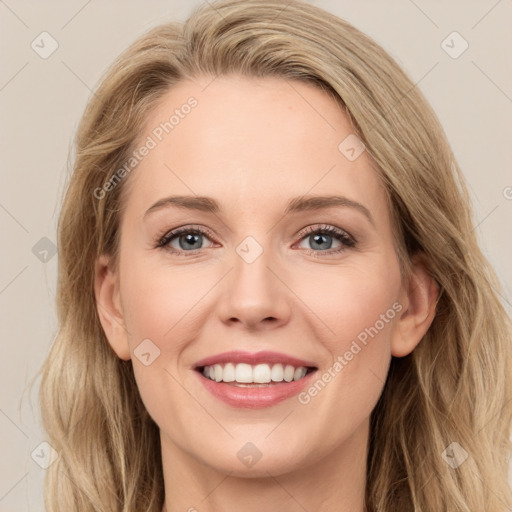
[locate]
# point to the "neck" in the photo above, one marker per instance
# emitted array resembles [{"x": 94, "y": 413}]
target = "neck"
[{"x": 335, "y": 482}]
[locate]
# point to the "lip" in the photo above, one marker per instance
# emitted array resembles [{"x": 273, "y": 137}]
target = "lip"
[
  {"x": 257, "y": 396},
  {"x": 264, "y": 356}
]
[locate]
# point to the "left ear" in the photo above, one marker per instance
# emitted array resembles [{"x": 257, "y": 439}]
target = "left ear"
[{"x": 418, "y": 300}]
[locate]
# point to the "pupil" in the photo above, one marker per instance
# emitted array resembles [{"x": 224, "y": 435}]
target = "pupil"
[
  {"x": 322, "y": 237},
  {"x": 190, "y": 239}
]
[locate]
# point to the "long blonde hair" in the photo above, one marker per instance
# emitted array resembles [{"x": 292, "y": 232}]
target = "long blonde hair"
[{"x": 453, "y": 387}]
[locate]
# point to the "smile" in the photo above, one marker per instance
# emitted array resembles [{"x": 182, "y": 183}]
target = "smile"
[
  {"x": 243, "y": 373},
  {"x": 254, "y": 380}
]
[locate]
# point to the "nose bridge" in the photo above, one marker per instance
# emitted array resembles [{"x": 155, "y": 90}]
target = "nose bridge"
[{"x": 253, "y": 293}]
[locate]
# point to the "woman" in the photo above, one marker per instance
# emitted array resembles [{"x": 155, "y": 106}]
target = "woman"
[{"x": 212, "y": 355}]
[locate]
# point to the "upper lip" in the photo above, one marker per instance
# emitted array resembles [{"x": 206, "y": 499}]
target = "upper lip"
[{"x": 253, "y": 358}]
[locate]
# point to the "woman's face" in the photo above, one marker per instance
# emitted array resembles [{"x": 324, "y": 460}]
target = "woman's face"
[{"x": 262, "y": 280}]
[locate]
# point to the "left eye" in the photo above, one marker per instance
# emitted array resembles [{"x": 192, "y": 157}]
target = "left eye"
[
  {"x": 188, "y": 240},
  {"x": 321, "y": 241}
]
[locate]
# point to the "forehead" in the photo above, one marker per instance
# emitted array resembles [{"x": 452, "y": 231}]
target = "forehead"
[{"x": 250, "y": 142}]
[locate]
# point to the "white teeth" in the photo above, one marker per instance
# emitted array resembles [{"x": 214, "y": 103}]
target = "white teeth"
[
  {"x": 261, "y": 373},
  {"x": 243, "y": 373},
  {"x": 257, "y": 374},
  {"x": 289, "y": 371},
  {"x": 277, "y": 373},
  {"x": 299, "y": 373},
  {"x": 228, "y": 374}
]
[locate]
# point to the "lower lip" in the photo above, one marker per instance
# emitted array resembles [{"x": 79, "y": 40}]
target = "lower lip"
[{"x": 255, "y": 397}]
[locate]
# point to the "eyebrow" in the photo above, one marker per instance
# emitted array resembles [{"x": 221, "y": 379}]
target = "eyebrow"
[{"x": 297, "y": 204}]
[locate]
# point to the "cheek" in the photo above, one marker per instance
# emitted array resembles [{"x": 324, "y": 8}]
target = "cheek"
[
  {"x": 361, "y": 315},
  {"x": 160, "y": 304},
  {"x": 360, "y": 311},
  {"x": 159, "y": 301},
  {"x": 167, "y": 305},
  {"x": 354, "y": 302}
]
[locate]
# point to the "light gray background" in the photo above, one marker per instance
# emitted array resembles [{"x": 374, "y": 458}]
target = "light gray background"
[{"x": 42, "y": 100}]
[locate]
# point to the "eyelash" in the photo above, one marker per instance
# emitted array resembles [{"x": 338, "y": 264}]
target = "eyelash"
[{"x": 347, "y": 240}]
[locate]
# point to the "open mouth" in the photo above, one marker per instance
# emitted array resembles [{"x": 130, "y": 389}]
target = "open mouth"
[
  {"x": 254, "y": 380},
  {"x": 258, "y": 375}
]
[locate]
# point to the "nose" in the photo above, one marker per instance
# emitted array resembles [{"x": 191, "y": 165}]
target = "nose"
[{"x": 254, "y": 294}]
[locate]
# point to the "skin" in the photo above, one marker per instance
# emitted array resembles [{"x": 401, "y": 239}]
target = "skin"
[{"x": 252, "y": 145}]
